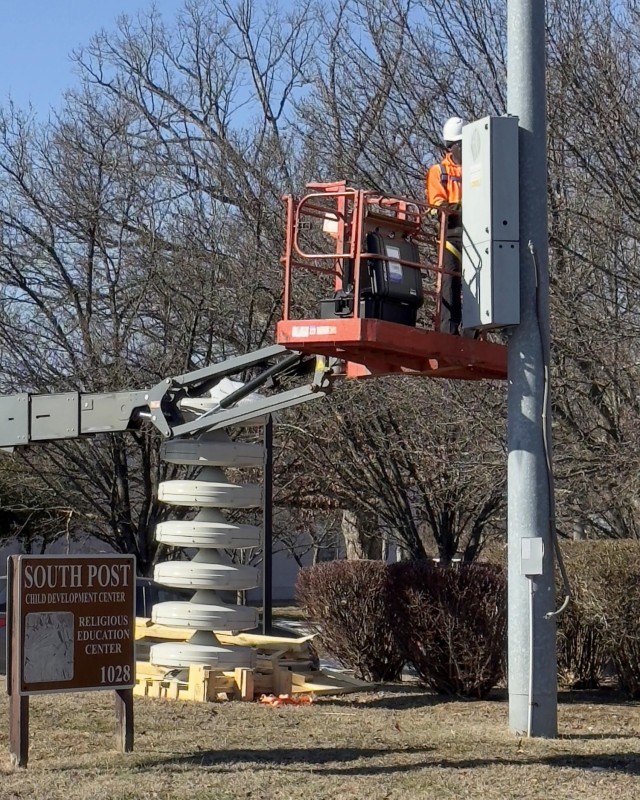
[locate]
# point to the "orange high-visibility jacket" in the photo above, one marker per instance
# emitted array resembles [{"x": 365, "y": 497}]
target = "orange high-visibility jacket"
[{"x": 444, "y": 182}]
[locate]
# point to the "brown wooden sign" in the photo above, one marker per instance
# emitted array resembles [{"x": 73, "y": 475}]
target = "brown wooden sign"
[
  {"x": 71, "y": 628},
  {"x": 76, "y": 623}
]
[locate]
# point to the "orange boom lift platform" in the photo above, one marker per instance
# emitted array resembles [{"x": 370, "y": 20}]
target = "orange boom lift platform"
[{"x": 338, "y": 239}]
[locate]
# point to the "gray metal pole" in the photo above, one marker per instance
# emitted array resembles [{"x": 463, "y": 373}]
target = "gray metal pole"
[{"x": 532, "y": 645}]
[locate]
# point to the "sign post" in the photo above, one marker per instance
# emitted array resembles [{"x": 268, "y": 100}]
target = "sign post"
[
  {"x": 18, "y": 703},
  {"x": 72, "y": 629}
]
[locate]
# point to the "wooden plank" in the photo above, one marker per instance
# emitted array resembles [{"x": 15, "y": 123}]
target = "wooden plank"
[
  {"x": 141, "y": 689},
  {"x": 329, "y": 682},
  {"x": 347, "y": 678},
  {"x": 206, "y": 685},
  {"x": 19, "y": 726},
  {"x": 244, "y": 683},
  {"x": 211, "y": 688},
  {"x": 145, "y": 670},
  {"x": 145, "y": 628},
  {"x": 265, "y": 643},
  {"x": 263, "y": 684},
  {"x": 282, "y": 681},
  {"x": 124, "y": 719},
  {"x": 151, "y": 630},
  {"x": 199, "y": 680}
]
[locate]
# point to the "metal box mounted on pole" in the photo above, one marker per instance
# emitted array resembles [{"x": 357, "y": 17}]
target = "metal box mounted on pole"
[{"x": 490, "y": 263}]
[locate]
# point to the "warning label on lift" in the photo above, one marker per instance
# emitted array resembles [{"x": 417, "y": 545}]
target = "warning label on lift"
[{"x": 306, "y": 331}]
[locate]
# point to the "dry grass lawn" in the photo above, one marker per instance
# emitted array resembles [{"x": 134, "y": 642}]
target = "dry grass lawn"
[{"x": 399, "y": 743}]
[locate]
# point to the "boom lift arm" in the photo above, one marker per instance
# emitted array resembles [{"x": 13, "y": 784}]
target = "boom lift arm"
[
  {"x": 180, "y": 406},
  {"x": 369, "y": 326}
]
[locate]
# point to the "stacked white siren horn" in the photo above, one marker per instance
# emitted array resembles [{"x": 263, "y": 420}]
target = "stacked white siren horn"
[{"x": 211, "y": 570}]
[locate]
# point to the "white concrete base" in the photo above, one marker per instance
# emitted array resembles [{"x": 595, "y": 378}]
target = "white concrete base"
[
  {"x": 210, "y": 494},
  {"x": 183, "y": 654},
  {"x": 202, "y": 452},
  {"x": 215, "y": 535},
  {"x": 205, "y": 617},
  {"x": 199, "y": 575}
]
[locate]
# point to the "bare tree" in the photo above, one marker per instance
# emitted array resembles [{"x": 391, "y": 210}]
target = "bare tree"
[
  {"x": 395, "y": 456},
  {"x": 140, "y": 233},
  {"x": 594, "y": 236}
]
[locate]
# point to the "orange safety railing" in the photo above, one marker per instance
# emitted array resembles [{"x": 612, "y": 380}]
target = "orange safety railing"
[{"x": 347, "y": 215}]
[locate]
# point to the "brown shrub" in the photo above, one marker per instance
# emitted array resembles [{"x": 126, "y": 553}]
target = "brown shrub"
[
  {"x": 347, "y": 603},
  {"x": 451, "y": 624},
  {"x": 582, "y": 650},
  {"x": 609, "y": 600}
]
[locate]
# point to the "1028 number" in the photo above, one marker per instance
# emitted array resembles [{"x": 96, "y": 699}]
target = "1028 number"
[{"x": 115, "y": 674}]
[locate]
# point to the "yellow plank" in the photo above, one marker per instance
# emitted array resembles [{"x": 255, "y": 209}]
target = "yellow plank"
[
  {"x": 146, "y": 629},
  {"x": 198, "y": 679},
  {"x": 244, "y": 683},
  {"x": 265, "y": 643},
  {"x": 321, "y": 682},
  {"x": 347, "y": 677},
  {"x": 146, "y": 670}
]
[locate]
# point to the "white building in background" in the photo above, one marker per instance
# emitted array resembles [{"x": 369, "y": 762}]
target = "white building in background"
[{"x": 285, "y": 566}]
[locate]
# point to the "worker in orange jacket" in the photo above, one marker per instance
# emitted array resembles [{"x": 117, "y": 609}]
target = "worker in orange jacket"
[{"x": 444, "y": 187}]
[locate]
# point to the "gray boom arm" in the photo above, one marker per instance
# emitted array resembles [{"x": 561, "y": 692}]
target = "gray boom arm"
[{"x": 178, "y": 406}]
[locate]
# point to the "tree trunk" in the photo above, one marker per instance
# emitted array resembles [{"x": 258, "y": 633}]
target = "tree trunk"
[{"x": 361, "y": 539}]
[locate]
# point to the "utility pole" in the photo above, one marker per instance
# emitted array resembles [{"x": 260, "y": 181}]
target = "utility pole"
[{"x": 532, "y": 644}]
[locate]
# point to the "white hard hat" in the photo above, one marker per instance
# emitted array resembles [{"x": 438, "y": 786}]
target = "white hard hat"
[{"x": 452, "y": 130}]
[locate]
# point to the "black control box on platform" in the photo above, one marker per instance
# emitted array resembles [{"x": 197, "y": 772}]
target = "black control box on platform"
[{"x": 388, "y": 290}]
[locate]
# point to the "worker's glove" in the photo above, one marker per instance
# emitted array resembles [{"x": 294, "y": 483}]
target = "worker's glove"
[{"x": 449, "y": 208}]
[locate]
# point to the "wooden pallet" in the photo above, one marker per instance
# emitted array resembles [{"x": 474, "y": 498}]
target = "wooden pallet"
[
  {"x": 204, "y": 685},
  {"x": 283, "y": 666}
]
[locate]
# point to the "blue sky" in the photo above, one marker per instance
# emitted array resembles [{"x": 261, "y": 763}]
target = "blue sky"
[{"x": 37, "y": 37}]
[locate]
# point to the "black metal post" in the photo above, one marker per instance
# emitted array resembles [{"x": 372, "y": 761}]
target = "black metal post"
[{"x": 267, "y": 522}]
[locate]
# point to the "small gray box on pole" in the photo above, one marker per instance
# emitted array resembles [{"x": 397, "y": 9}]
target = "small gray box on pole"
[{"x": 490, "y": 261}]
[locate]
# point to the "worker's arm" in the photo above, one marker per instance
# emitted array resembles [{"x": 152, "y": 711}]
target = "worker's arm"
[{"x": 436, "y": 192}]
